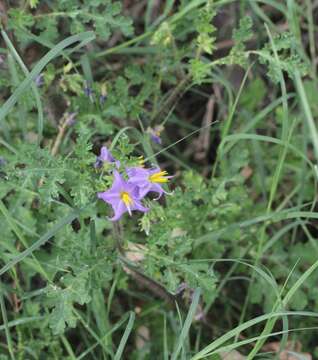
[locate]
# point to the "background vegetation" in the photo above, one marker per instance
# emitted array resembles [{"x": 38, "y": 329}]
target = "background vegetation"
[{"x": 226, "y": 264}]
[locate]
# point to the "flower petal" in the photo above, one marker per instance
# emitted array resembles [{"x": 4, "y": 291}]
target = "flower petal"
[
  {"x": 108, "y": 196},
  {"x": 144, "y": 190},
  {"x": 119, "y": 210},
  {"x": 105, "y": 155},
  {"x": 119, "y": 183},
  {"x": 138, "y": 206}
]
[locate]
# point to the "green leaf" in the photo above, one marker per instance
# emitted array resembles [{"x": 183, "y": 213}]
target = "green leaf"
[
  {"x": 75, "y": 290},
  {"x": 244, "y": 32},
  {"x": 289, "y": 59},
  {"x": 33, "y": 3},
  {"x": 43, "y": 239},
  {"x": 83, "y": 38}
]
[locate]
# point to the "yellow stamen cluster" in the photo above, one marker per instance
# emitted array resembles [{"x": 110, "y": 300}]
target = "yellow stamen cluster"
[
  {"x": 159, "y": 177},
  {"x": 125, "y": 197}
]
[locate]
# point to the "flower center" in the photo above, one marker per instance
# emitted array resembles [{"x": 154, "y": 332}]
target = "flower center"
[
  {"x": 159, "y": 177},
  {"x": 126, "y": 198}
]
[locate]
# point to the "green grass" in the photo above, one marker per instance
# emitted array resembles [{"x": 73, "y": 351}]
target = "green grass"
[{"x": 228, "y": 259}]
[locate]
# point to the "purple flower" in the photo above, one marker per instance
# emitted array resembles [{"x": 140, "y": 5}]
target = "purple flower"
[
  {"x": 155, "y": 134},
  {"x": 88, "y": 91},
  {"x": 123, "y": 197},
  {"x": 148, "y": 180},
  {"x": 105, "y": 157},
  {"x": 39, "y": 80},
  {"x": 102, "y": 99},
  {"x": 156, "y": 139}
]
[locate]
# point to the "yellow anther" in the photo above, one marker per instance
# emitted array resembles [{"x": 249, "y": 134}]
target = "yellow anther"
[
  {"x": 159, "y": 177},
  {"x": 126, "y": 198}
]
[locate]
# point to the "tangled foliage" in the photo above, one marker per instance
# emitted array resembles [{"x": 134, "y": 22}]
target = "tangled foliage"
[{"x": 101, "y": 256}]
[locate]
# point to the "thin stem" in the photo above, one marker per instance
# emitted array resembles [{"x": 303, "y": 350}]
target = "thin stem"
[{"x": 7, "y": 331}]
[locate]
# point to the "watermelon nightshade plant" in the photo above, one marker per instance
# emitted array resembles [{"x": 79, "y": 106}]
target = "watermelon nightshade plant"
[
  {"x": 126, "y": 195},
  {"x": 105, "y": 157},
  {"x": 155, "y": 134}
]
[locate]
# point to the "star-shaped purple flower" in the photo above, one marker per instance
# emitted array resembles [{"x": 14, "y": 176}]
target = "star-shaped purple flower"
[
  {"x": 123, "y": 197},
  {"x": 148, "y": 180},
  {"x": 156, "y": 138},
  {"x": 105, "y": 157},
  {"x": 155, "y": 134}
]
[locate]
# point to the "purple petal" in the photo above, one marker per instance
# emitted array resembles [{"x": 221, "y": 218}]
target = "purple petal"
[
  {"x": 143, "y": 191},
  {"x": 158, "y": 189},
  {"x": 102, "y": 99},
  {"x": 109, "y": 196},
  {"x": 137, "y": 172},
  {"x": 98, "y": 164},
  {"x": 39, "y": 80},
  {"x": 117, "y": 163},
  {"x": 154, "y": 170},
  {"x": 131, "y": 188},
  {"x": 138, "y": 176},
  {"x": 105, "y": 155},
  {"x": 138, "y": 206},
  {"x": 113, "y": 196},
  {"x": 156, "y": 139},
  {"x": 119, "y": 210},
  {"x": 119, "y": 183}
]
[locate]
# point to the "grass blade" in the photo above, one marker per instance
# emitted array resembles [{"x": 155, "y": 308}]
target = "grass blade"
[
  {"x": 124, "y": 339},
  {"x": 232, "y": 333},
  {"x": 82, "y": 38},
  {"x": 187, "y": 323},
  {"x": 33, "y": 86},
  {"x": 43, "y": 239},
  {"x": 6, "y": 327},
  {"x": 308, "y": 114}
]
